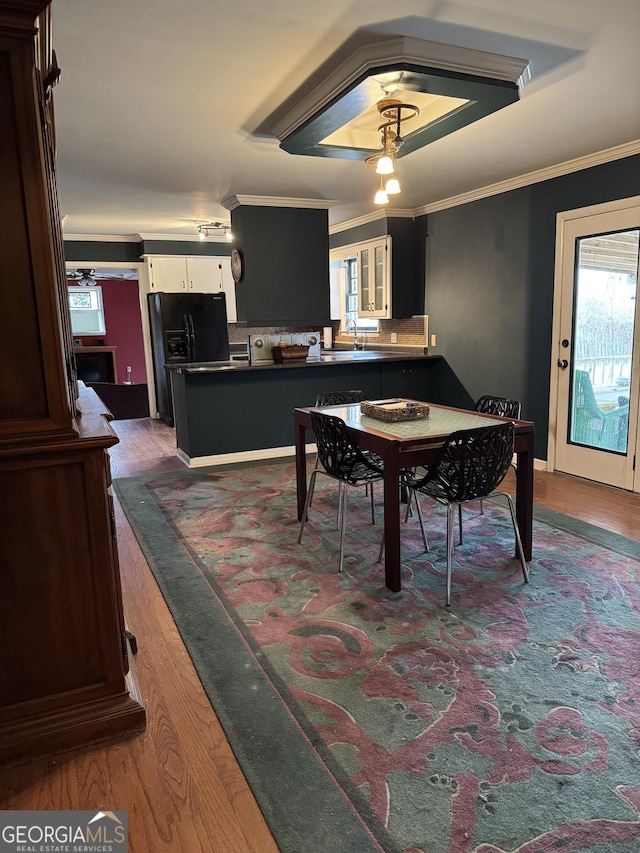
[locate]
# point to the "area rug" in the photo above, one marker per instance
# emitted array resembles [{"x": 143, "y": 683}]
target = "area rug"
[{"x": 366, "y": 720}]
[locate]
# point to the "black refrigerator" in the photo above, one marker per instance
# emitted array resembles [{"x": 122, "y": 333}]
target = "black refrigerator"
[{"x": 185, "y": 328}]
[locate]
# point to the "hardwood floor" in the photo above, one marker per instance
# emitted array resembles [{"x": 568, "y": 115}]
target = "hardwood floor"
[{"x": 179, "y": 780}]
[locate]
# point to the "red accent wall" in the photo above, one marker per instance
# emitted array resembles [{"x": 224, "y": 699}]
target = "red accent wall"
[{"x": 121, "y": 304}]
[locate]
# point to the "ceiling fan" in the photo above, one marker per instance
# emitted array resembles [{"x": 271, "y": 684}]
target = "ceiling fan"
[{"x": 82, "y": 277}]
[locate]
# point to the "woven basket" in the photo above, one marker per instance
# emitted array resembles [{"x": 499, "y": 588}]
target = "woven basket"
[
  {"x": 295, "y": 352},
  {"x": 395, "y": 409}
]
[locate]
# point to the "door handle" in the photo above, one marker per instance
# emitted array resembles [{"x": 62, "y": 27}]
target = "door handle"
[{"x": 563, "y": 363}]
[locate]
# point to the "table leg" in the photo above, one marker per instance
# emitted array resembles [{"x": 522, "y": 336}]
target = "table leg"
[
  {"x": 301, "y": 466},
  {"x": 391, "y": 521},
  {"x": 524, "y": 498}
]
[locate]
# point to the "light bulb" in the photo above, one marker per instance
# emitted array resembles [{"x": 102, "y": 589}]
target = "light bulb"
[
  {"x": 392, "y": 186},
  {"x": 381, "y": 197},
  {"x": 385, "y": 165}
]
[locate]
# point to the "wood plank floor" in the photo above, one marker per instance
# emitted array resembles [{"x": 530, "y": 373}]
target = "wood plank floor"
[{"x": 179, "y": 780}]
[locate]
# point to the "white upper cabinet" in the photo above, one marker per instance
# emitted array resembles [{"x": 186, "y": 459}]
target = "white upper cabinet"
[
  {"x": 374, "y": 279},
  {"x": 194, "y": 275},
  {"x": 168, "y": 275}
]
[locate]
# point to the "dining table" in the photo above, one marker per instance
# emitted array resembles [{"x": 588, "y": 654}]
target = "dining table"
[{"x": 413, "y": 443}]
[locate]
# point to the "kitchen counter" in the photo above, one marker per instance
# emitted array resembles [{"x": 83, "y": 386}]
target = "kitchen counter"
[
  {"x": 341, "y": 357},
  {"x": 234, "y": 411}
]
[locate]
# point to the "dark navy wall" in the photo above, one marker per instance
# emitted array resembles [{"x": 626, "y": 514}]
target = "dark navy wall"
[
  {"x": 489, "y": 293},
  {"x": 131, "y": 252}
]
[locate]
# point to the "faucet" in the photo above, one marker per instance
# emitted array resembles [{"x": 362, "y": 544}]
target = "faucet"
[{"x": 352, "y": 328}]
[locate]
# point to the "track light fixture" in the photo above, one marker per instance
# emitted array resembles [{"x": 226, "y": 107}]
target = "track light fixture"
[
  {"x": 394, "y": 113},
  {"x": 204, "y": 230}
]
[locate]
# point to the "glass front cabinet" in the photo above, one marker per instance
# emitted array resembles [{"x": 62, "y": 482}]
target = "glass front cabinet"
[{"x": 374, "y": 278}]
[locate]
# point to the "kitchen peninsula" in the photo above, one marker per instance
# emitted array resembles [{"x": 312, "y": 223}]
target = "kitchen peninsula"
[{"x": 226, "y": 411}]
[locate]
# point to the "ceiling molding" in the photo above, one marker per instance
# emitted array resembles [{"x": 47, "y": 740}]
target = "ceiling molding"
[
  {"x": 104, "y": 238},
  {"x": 334, "y": 80},
  {"x": 546, "y": 174},
  {"x": 386, "y": 213},
  {"x": 234, "y": 201},
  {"x": 184, "y": 238}
]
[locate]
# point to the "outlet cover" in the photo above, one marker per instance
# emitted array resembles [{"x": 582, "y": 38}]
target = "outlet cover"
[
  {"x": 433, "y": 340},
  {"x": 394, "y": 337}
]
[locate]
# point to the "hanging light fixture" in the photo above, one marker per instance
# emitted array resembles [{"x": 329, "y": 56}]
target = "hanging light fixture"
[
  {"x": 203, "y": 230},
  {"x": 392, "y": 186},
  {"x": 393, "y": 112},
  {"x": 381, "y": 196}
]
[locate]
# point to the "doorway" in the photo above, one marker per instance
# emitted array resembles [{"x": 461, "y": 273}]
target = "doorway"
[{"x": 595, "y": 387}]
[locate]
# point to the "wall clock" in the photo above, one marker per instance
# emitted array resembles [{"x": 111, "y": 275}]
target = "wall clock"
[{"x": 236, "y": 265}]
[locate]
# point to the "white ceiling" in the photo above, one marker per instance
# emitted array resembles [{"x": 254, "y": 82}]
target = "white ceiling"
[{"x": 160, "y": 103}]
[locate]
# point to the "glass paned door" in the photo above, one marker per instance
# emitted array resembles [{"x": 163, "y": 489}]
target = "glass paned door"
[
  {"x": 598, "y": 389},
  {"x": 604, "y": 321}
]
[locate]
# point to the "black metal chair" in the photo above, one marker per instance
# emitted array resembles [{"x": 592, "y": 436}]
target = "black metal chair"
[
  {"x": 339, "y": 398},
  {"x": 503, "y": 407},
  {"x": 470, "y": 465},
  {"x": 341, "y": 459}
]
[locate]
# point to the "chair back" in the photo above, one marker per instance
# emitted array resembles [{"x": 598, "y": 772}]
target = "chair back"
[
  {"x": 503, "y": 407},
  {"x": 471, "y": 464},
  {"x": 337, "y": 454},
  {"x": 338, "y": 398}
]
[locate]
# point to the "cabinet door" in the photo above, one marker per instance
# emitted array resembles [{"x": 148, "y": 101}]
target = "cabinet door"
[
  {"x": 374, "y": 284},
  {"x": 212, "y": 275},
  {"x": 168, "y": 275},
  {"x": 203, "y": 275}
]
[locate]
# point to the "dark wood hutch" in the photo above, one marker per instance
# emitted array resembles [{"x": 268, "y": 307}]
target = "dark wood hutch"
[{"x": 65, "y": 679}]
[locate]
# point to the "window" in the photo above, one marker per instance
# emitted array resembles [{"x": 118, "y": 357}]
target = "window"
[
  {"x": 348, "y": 296},
  {"x": 87, "y": 314}
]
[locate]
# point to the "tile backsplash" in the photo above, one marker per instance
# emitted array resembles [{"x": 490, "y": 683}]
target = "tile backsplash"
[{"x": 412, "y": 332}]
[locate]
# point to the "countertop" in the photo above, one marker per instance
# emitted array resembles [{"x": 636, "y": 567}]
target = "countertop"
[{"x": 326, "y": 358}]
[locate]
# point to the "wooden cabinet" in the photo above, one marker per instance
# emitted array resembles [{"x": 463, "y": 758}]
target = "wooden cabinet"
[
  {"x": 65, "y": 670},
  {"x": 207, "y": 274}
]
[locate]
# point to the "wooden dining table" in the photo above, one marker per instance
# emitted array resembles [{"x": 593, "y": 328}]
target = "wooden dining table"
[{"x": 407, "y": 444}]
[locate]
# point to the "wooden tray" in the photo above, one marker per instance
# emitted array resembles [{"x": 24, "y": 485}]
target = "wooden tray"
[
  {"x": 395, "y": 409},
  {"x": 294, "y": 352}
]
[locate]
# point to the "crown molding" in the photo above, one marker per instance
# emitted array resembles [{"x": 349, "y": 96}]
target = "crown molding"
[
  {"x": 103, "y": 238},
  {"x": 183, "y": 238},
  {"x": 546, "y": 174},
  {"x": 234, "y": 201},
  {"x": 386, "y": 213},
  {"x": 607, "y": 155}
]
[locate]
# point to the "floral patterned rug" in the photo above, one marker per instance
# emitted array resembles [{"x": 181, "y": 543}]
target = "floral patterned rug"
[{"x": 367, "y": 720}]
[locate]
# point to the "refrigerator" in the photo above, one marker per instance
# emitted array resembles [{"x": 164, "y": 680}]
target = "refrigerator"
[{"x": 185, "y": 328}]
